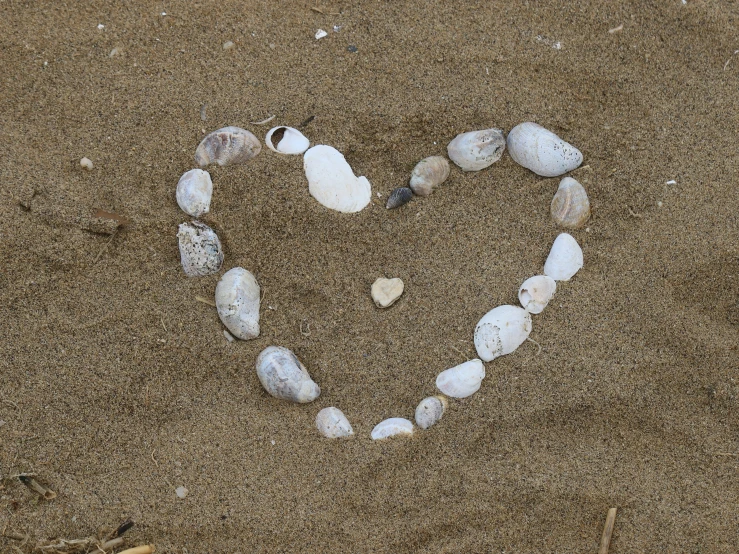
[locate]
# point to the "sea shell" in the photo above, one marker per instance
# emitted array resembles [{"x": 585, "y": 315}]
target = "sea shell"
[
  {"x": 332, "y": 182},
  {"x": 570, "y": 206},
  {"x": 283, "y": 376},
  {"x": 541, "y": 151},
  {"x": 391, "y": 427},
  {"x": 501, "y": 331},
  {"x": 463, "y": 380},
  {"x": 477, "y": 149},
  {"x": 386, "y": 291},
  {"x": 86, "y": 163},
  {"x": 536, "y": 292},
  {"x": 227, "y": 146},
  {"x": 428, "y": 174},
  {"x": 200, "y": 249},
  {"x": 565, "y": 258},
  {"x": 429, "y": 411},
  {"x": 332, "y": 424},
  {"x": 194, "y": 191},
  {"x": 289, "y": 140},
  {"x": 237, "y": 302},
  {"x": 398, "y": 197}
]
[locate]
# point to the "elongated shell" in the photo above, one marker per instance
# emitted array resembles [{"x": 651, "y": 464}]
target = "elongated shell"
[
  {"x": 194, "y": 191},
  {"x": 565, "y": 258},
  {"x": 501, "y": 331},
  {"x": 289, "y": 141},
  {"x": 237, "y": 302},
  {"x": 200, "y": 249},
  {"x": 541, "y": 151},
  {"x": 398, "y": 197},
  {"x": 570, "y": 206},
  {"x": 429, "y": 411},
  {"x": 227, "y": 146},
  {"x": 332, "y": 182},
  {"x": 392, "y": 427},
  {"x": 428, "y": 174},
  {"x": 283, "y": 376},
  {"x": 332, "y": 424},
  {"x": 536, "y": 292},
  {"x": 477, "y": 150},
  {"x": 463, "y": 380}
]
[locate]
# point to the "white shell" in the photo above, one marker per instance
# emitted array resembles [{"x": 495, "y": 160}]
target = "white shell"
[
  {"x": 428, "y": 174},
  {"x": 570, "y": 206},
  {"x": 463, "y": 380},
  {"x": 86, "y": 163},
  {"x": 332, "y": 424},
  {"x": 501, "y": 331},
  {"x": 227, "y": 146},
  {"x": 536, "y": 292},
  {"x": 429, "y": 411},
  {"x": 541, "y": 151},
  {"x": 565, "y": 258},
  {"x": 386, "y": 291},
  {"x": 391, "y": 427},
  {"x": 331, "y": 180},
  {"x": 477, "y": 149},
  {"x": 292, "y": 141},
  {"x": 200, "y": 249},
  {"x": 283, "y": 376},
  {"x": 237, "y": 301},
  {"x": 194, "y": 191}
]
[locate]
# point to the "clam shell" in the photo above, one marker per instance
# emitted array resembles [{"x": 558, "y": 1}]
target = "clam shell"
[
  {"x": 429, "y": 411},
  {"x": 194, "y": 191},
  {"x": 283, "y": 376},
  {"x": 463, "y": 380},
  {"x": 200, "y": 249},
  {"x": 391, "y": 427},
  {"x": 398, "y": 197},
  {"x": 501, "y": 331},
  {"x": 477, "y": 150},
  {"x": 237, "y": 302},
  {"x": 570, "y": 206},
  {"x": 292, "y": 141},
  {"x": 332, "y": 182},
  {"x": 428, "y": 174},
  {"x": 227, "y": 146},
  {"x": 386, "y": 291},
  {"x": 332, "y": 424},
  {"x": 536, "y": 292},
  {"x": 541, "y": 151},
  {"x": 565, "y": 258}
]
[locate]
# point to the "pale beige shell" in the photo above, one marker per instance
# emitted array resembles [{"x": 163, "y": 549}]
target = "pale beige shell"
[
  {"x": 430, "y": 410},
  {"x": 428, "y": 174},
  {"x": 570, "y": 205},
  {"x": 227, "y": 146}
]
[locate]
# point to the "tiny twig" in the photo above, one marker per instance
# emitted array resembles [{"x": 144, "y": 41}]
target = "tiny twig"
[
  {"x": 153, "y": 459},
  {"x": 205, "y": 301},
  {"x": 605, "y": 540},
  {"x": 146, "y": 549},
  {"x": 10, "y": 402},
  {"x": 102, "y": 251},
  {"x": 264, "y": 121},
  {"x": 15, "y": 536},
  {"x": 632, "y": 213},
  {"x": 37, "y": 487},
  {"x": 536, "y": 343},
  {"x": 731, "y": 58},
  {"x": 726, "y": 454}
]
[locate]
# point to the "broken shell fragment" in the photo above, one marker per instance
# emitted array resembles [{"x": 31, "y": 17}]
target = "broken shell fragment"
[
  {"x": 501, "y": 331},
  {"x": 463, "y": 380},
  {"x": 332, "y": 182},
  {"x": 86, "y": 163},
  {"x": 386, "y": 291},
  {"x": 570, "y": 206},
  {"x": 200, "y": 249},
  {"x": 392, "y": 427},
  {"x": 565, "y": 258},
  {"x": 237, "y": 302},
  {"x": 227, "y": 146},
  {"x": 332, "y": 424},
  {"x": 536, "y": 292},
  {"x": 429, "y": 411},
  {"x": 477, "y": 150},
  {"x": 541, "y": 151},
  {"x": 398, "y": 197},
  {"x": 194, "y": 191},
  {"x": 428, "y": 174},
  {"x": 283, "y": 376},
  {"x": 289, "y": 140}
]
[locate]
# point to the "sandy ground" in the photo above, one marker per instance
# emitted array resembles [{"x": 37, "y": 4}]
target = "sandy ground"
[{"x": 117, "y": 385}]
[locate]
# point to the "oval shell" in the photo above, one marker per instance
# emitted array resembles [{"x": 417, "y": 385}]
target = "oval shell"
[
  {"x": 536, "y": 292},
  {"x": 200, "y": 249},
  {"x": 283, "y": 376},
  {"x": 237, "y": 302},
  {"x": 565, "y": 258},
  {"x": 398, "y": 197},
  {"x": 570, "y": 206},
  {"x": 541, "y": 151},
  {"x": 501, "y": 331},
  {"x": 332, "y": 424},
  {"x": 194, "y": 191},
  {"x": 332, "y": 182},
  {"x": 227, "y": 146},
  {"x": 291, "y": 141},
  {"x": 392, "y": 427},
  {"x": 477, "y": 149},
  {"x": 429, "y": 411},
  {"x": 463, "y": 380},
  {"x": 428, "y": 174}
]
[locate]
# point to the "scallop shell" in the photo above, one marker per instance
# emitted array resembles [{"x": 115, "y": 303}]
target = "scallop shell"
[
  {"x": 536, "y": 292},
  {"x": 332, "y": 424},
  {"x": 386, "y": 291},
  {"x": 429, "y": 411},
  {"x": 200, "y": 249},
  {"x": 292, "y": 141},
  {"x": 501, "y": 331},
  {"x": 194, "y": 191},
  {"x": 391, "y": 427},
  {"x": 237, "y": 302},
  {"x": 541, "y": 151},
  {"x": 332, "y": 182},
  {"x": 428, "y": 174},
  {"x": 283, "y": 376},
  {"x": 477, "y": 150},
  {"x": 227, "y": 146},
  {"x": 565, "y": 258},
  {"x": 463, "y": 380},
  {"x": 398, "y": 197},
  {"x": 570, "y": 206}
]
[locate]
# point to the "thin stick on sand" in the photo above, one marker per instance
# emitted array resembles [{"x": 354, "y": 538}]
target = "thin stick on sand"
[
  {"x": 146, "y": 549},
  {"x": 605, "y": 540},
  {"x": 35, "y": 486}
]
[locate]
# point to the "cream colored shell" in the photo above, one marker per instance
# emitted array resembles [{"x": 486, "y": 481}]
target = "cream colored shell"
[
  {"x": 237, "y": 302},
  {"x": 227, "y": 146},
  {"x": 392, "y": 427},
  {"x": 565, "y": 258},
  {"x": 333, "y": 424},
  {"x": 283, "y": 376},
  {"x": 501, "y": 331},
  {"x": 194, "y": 191},
  {"x": 541, "y": 151},
  {"x": 570, "y": 206},
  {"x": 477, "y": 150},
  {"x": 292, "y": 141},
  {"x": 536, "y": 292},
  {"x": 430, "y": 410},
  {"x": 428, "y": 174},
  {"x": 463, "y": 380}
]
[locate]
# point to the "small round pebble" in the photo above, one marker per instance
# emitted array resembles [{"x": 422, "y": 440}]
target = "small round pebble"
[
  {"x": 181, "y": 492},
  {"x": 86, "y": 163}
]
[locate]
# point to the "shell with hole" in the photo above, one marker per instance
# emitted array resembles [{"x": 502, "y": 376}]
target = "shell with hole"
[
  {"x": 284, "y": 377},
  {"x": 237, "y": 302},
  {"x": 477, "y": 150},
  {"x": 332, "y": 182},
  {"x": 501, "y": 331},
  {"x": 289, "y": 140},
  {"x": 536, "y": 292},
  {"x": 463, "y": 380},
  {"x": 392, "y": 427},
  {"x": 194, "y": 191},
  {"x": 565, "y": 258},
  {"x": 332, "y": 424},
  {"x": 541, "y": 151},
  {"x": 430, "y": 410},
  {"x": 200, "y": 249},
  {"x": 428, "y": 174},
  {"x": 570, "y": 206},
  {"x": 227, "y": 146}
]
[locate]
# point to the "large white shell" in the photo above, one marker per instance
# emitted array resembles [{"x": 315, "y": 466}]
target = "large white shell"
[
  {"x": 283, "y": 376},
  {"x": 570, "y": 206},
  {"x": 536, "y": 292},
  {"x": 501, "y": 331},
  {"x": 332, "y": 182},
  {"x": 227, "y": 146},
  {"x": 332, "y": 424},
  {"x": 391, "y": 427},
  {"x": 292, "y": 141},
  {"x": 428, "y": 174},
  {"x": 541, "y": 151},
  {"x": 237, "y": 302},
  {"x": 565, "y": 258},
  {"x": 194, "y": 191},
  {"x": 463, "y": 380},
  {"x": 477, "y": 149},
  {"x": 429, "y": 411},
  {"x": 200, "y": 249}
]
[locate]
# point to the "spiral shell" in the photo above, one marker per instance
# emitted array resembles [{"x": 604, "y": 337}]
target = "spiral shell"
[
  {"x": 565, "y": 258},
  {"x": 332, "y": 424},
  {"x": 428, "y": 174},
  {"x": 398, "y": 197},
  {"x": 283, "y": 376},
  {"x": 463, "y": 380},
  {"x": 541, "y": 151},
  {"x": 536, "y": 292},
  {"x": 200, "y": 249},
  {"x": 570, "y": 206},
  {"x": 194, "y": 191},
  {"x": 227, "y": 146},
  {"x": 501, "y": 331},
  {"x": 237, "y": 302},
  {"x": 477, "y": 149},
  {"x": 392, "y": 427},
  {"x": 430, "y": 410}
]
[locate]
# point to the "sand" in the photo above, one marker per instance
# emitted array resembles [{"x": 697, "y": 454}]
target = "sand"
[{"x": 117, "y": 386}]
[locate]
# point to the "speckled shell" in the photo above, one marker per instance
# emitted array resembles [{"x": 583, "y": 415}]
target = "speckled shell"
[
  {"x": 565, "y": 258},
  {"x": 398, "y": 197},
  {"x": 194, "y": 191},
  {"x": 570, "y": 206},
  {"x": 392, "y": 427},
  {"x": 292, "y": 141},
  {"x": 332, "y": 182},
  {"x": 200, "y": 249},
  {"x": 463, "y": 380},
  {"x": 501, "y": 331},
  {"x": 541, "y": 151},
  {"x": 237, "y": 302},
  {"x": 477, "y": 150},
  {"x": 428, "y": 174},
  {"x": 283, "y": 376},
  {"x": 227, "y": 146},
  {"x": 429, "y": 411},
  {"x": 332, "y": 424},
  {"x": 536, "y": 292}
]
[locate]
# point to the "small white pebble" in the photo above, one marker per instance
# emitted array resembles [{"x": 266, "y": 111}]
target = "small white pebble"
[
  {"x": 101, "y": 26},
  {"x": 229, "y": 336},
  {"x": 320, "y": 34},
  {"x": 671, "y": 182},
  {"x": 337, "y": 28},
  {"x": 659, "y": 204},
  {"x": 86, "y": 163},
  {"x": 272, "y": 45},
  {"x": 164, "y": 13},
  {"x": 181, "y": 492},
  {"x": 74, "y": 519},
  {"x": 228, "y": 45},
  {"x": 117, "y": 51},
  {"x": 379, "y": 195},
  {"x": 2, "y": 423},
  {"x": 587, "y": 229},
  {"x": 273, "y": 443}
]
